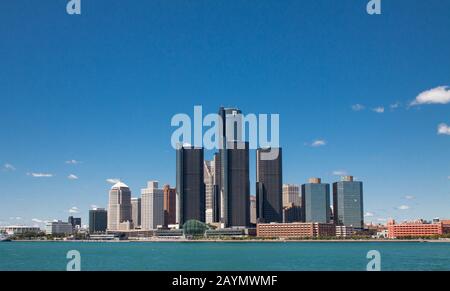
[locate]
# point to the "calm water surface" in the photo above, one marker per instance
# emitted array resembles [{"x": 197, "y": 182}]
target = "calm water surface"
[{"x": 180, "y": 256}]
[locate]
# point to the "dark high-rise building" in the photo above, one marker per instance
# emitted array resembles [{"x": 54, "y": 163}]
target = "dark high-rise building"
[
  {"x": 235, "y": 192},
  {"x": 234, "y": 182},
  {"x": 74, "y": 221},
  {"x": 269, "y": 187},
  {"x": 348, "y": 203},
  {"x": 190, "y": 185},
  {"x": 316, "y": 201},
  {"x": 170, "y": 205},
  {"x": 98, "y": 220}
]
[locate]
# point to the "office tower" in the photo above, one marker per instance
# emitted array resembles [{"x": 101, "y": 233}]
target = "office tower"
[
  {"x": 216, "y": 189},
  {"x": 208, "y": 176},
  {"x": 119, "y": 206},
  {"x": 136, "y": 211},
  {"x": 316, "y": 201},
  {"x": 291, "y": 195},
  {"x": 269, "y": 187},
  {"x": 234, "y": 182},
  {"x": 348, "y": 203},
  {"x": 235, "y": 198},
  {"x": 253, "y": 209},
  {"x": 74, "y": 221},
  {"x": 98, "y": 220},
  {"x": 152, "y": 206},
  {"x": 170, "y": 205},
  {"x": 190, "y": 184}
]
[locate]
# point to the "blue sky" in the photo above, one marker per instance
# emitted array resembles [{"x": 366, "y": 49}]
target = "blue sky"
[{"x": 101, "y": 89}]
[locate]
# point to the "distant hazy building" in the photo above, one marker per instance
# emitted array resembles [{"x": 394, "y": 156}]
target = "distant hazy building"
[
  {"x": 291, "y": 194},
  {"x": 316, "y": 201},
  {"x": 152, "y": 206},
  {"x": 348, "y": 203},
  {"x": 253, "y": 209},
  {"x": 58, "y": 228},
  {"x": 190, "y": 184},
  {"x": 19, "y": 229},
  {"x": 208, "y": 177},
  {"x": 98, "y": 220},
  {"x": 269, "y": 187},
  {"x": 234, "y": 180},
  {"x": 170, "y": 205},
  {"x": 136, "y": 211},
  {"x": 119, "y": 207},
  {"x": 74, "y": 221}
]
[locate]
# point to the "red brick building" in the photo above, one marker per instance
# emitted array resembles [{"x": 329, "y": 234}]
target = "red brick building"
[{"x": 414, "y": 229}]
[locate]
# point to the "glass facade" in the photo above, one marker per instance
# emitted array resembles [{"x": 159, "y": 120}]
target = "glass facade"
[
  {"x": 316, "y": 202},
  {"x": 348, "y": 203}
]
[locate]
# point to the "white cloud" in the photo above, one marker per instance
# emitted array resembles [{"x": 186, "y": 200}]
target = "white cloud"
[
  {"x": 8, "y": 167},
  {"x": 37, "y": 220},
  {"x": 318, "y": 143},
  {"x": 443, "y": 129},
  {"x": 74, "y": 209},
  {"x": 40, "y": 175},
  {"x": 113, "y": 180},
  {"x": 394, "y": 106},
  {"x": 358, "y": 107},
  {"x": 72, "y": 177},
  {"x": 403, "y": 207},
  {"x": 379, "y": 109},
  {"x": 438, "y": 95},
  {"x": 340, "y": 173},
  {"x": 409, "y": 197},
  {"x": 73, "y": 162},
  {"x": 368, "y": 214},
  {"x": 94, "y": 206}
]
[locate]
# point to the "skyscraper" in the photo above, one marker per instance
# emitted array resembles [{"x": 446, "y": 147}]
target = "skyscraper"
[
  {"x": 152, "y": 205},
  {"x": 316, "y": 201},
  {"x": 190, "y": 184},
  {"x": 348, "y": 202},
  {"x": 136, "y": 211},
  {"x": 119, "y": 207},
  {"x": 209, "y": 171},
  {"x": 269, "y": 187},
  {"x": 98, "y": 220},
  {"x": 234, "y": 183},
  {"x": 170, "y": 205}
]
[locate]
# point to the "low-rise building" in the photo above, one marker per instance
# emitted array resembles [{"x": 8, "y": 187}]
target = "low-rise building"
[
  {"x": 296, "y": 230},
  {"x": 417, "y": 228},
  {"x": 344, "y": 231},
  {"x": 18, "y": 229},
  {"x": 58, "y": 227}
]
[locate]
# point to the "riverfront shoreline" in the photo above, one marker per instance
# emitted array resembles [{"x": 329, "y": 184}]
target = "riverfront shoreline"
[{"x": 243, "y": 241}]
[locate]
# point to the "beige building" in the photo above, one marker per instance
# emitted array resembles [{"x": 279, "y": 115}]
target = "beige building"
[
  {"x": 291, "y": 195},
  {"x": 136, "y": 211},
  {"x": 152, "y": 206},
  {"x": 208, "y": 177},
  {"x": 119, "y": 206},
  {"x": 295, "y": 230}
]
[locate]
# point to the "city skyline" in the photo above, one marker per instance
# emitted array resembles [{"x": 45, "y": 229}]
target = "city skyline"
[{"x": 365, "y": 102}]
